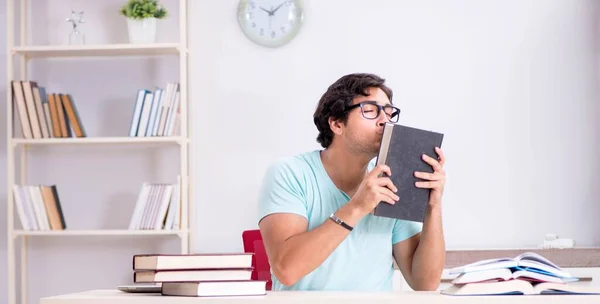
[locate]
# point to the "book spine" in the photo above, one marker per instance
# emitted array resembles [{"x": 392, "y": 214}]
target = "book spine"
[{"x": 385, "y": 144}]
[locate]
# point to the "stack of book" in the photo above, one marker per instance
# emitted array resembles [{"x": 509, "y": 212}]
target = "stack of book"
[
  {"x": 38, "y": 207},
  {"x": 44, "y": 114},
  {"x": 158, "y": 207},
  {"x": 526, "y": 274},
  {"x": 199, "y": 275},
  {"x": 156, "y": 113}
]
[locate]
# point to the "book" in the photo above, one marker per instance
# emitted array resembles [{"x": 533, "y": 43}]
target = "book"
[
  {"x": 517, "y": 287},
  {"x": 214, "y": 288},
  {"x": 192, "y": 261},
  {"x": 506, "y": 274},
  {"x": 401, "y": 149},
  {"x": 526, "y": 261},
  {"x": 152, "y": 276}
]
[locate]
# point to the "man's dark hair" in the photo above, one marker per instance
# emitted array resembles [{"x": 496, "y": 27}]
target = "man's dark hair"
[{"x": 339, "y": 96}]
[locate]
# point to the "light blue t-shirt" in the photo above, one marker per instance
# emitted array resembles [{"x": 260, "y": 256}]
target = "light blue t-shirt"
[{"x": 363, "y": 261}]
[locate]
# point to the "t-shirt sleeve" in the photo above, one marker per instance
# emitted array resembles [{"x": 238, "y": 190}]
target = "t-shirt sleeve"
[
  {"x": 282, "y": 191},
  {"x": 404, "y": 230}
]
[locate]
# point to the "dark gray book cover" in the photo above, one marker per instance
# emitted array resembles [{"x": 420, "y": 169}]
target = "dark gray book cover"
[{"x": 401, "y": 149}]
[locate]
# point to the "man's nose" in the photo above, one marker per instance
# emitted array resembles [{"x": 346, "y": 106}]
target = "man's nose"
[{"x": 382, "y": 118}]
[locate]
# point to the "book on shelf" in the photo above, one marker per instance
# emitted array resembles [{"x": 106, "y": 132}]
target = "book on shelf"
[
  {"x": 158, "y": 207},
  {"x": 156, "y": 113},
  {"x": 202, "y": 274},
  {"x": 43, "y": 114},
  {"x": 527, "y": 274},
  {"x": 38, "y": 207}
]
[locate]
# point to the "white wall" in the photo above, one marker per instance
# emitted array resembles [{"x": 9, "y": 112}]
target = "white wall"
[{"x": 512, "y": 84}]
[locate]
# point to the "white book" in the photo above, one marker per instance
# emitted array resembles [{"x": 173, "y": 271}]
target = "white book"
[
  {"x": 156, "y": 205},
  {"x": 173, "y": 205},
  {"x": 164, "y": 109},
  {"x": 29, "y": 208},
  {"x": 158, "y": 95},
  {"x": 137, "y": 110},
  {"x": 136, "y": 217},
  {"x": 171, "y": 108},
  {"x": 20, "y": 205},
  {"x": 40, "y": 209},
  {"x": 148, "y": 207},
  {"x": 162, "y": 206},
  {"x": 145, "y": 115},
  {"x": 173, "y": 114}
]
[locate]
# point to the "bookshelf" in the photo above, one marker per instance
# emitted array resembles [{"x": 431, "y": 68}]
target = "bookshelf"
[{"x": 20, "y": 52}]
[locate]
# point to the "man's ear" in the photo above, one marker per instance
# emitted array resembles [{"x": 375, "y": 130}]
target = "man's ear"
[{"x": 335, "y": 125}]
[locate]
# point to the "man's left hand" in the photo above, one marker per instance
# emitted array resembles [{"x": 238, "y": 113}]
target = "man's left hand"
[{"x": 434, "y": 181}]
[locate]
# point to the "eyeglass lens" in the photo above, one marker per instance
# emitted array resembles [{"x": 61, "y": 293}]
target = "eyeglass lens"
[{"x": 371, "y": 111}]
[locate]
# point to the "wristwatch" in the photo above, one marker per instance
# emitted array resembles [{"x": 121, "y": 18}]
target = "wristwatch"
[{"x": 338, "y": 221}]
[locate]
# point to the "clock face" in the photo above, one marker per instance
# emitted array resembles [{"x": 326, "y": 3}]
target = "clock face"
[{"x": 270, "y": 23}]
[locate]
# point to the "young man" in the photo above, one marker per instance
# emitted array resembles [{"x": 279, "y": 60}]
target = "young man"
[{"x": 303, "y": 199}]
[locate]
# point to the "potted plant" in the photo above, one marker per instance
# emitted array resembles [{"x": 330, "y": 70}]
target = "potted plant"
[{"x": 142, "y": 16}]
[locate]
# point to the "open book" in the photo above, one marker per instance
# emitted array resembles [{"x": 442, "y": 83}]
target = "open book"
[
  {"x": 527, "y": 261},
  {"x": 517, "y": 287},
  {"x": 505, "y": 274}
]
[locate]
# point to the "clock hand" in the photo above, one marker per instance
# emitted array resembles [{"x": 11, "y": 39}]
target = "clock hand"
[
  {"x": 278, "y": 7},
  {"x": 268, "y": 12}
]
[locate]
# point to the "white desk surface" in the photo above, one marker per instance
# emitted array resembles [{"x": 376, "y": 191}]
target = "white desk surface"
[{"x": 311, "y": 297}]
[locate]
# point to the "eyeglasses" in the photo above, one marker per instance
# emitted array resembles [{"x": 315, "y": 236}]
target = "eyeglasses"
[{"x": 371, "y": 110}]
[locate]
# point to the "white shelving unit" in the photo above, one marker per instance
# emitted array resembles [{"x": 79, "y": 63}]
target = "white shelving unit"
[{"x": 19, "y": 146}]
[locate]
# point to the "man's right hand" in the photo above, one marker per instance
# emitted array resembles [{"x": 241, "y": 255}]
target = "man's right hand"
[{"x": 374, "y": 189}]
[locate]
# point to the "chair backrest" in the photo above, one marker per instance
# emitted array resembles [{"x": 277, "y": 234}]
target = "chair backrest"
[{"x": 253, "y": 243}]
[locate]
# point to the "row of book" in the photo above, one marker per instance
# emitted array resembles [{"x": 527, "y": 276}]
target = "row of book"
[
  {"x": 38, "y": 207},
  {"x": 156, "y": 113},
  {"x": 526, "y": 274},
  {"x": 158, "y": 207},
  {"x": 199, "y": 275},
  {"x": 45, "y": 115}
]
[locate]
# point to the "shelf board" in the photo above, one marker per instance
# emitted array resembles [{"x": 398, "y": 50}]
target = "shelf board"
[
  {"x": 100, "y": 232},
  {"x": 97, "y": 50},
  {"x": 98, "y": 140}
]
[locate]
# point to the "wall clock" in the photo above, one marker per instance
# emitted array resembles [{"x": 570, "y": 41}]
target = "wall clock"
[{"x": 270, "y": 23}]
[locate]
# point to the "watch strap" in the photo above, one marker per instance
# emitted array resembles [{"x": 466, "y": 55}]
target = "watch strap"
[{"x": 339, "y": 221}]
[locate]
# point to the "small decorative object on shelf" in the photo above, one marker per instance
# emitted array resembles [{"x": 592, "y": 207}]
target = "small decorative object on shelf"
[
  {"x": 76, "y": 37},
  {"x": 142, "y": 16},
  {"x": 552, "y": 241}
]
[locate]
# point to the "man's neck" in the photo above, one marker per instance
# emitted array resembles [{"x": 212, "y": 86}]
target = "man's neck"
[{"x": 345, "y": 169}]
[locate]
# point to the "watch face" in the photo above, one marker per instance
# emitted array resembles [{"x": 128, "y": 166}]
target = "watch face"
[{"x": 270, "y": 23}]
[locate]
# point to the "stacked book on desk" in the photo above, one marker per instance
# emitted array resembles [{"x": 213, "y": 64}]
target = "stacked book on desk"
[
  {"x": 526, "y": 274},
  {"x": 199, "y": 274}
]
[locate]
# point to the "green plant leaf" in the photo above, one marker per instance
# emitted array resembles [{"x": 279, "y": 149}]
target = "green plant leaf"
[{"x": 140, "y": 9}]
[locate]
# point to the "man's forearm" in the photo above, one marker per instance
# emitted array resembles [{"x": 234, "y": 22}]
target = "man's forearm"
[
  {"x": 430, "y": 255},
  {"x": 304, "y": 252}
]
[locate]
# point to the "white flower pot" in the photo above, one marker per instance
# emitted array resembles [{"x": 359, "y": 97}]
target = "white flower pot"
[{"x": 142, "y": 30}]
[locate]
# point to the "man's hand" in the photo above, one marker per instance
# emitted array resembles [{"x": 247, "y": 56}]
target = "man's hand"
[
  {"x": 374, "y": 189},
  {"x": 434, "y": 181},
  {"x": 422, "y": 257}
]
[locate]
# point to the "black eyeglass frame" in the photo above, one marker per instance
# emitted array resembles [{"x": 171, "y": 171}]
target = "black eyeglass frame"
[{"x": 393, "y": 118}]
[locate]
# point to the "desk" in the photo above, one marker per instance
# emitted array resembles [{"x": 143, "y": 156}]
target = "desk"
[{"x": 311, "y": 297}]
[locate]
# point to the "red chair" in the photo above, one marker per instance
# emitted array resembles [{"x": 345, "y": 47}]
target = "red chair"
[{"x": 253, "y": 243}]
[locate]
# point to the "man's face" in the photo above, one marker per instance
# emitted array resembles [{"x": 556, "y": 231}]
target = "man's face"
[{"x": 362, "y": 135}]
